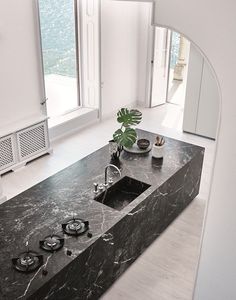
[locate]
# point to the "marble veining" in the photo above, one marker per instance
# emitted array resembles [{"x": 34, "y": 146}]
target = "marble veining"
[{"x": 118, "y": 237}]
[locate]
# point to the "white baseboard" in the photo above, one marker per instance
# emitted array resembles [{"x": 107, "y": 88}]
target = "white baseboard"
[{"x": 141, "y": 104}]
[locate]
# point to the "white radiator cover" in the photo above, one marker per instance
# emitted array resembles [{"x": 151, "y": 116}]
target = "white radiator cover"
[
  {"x": 7, "y": 152},
  {"x": 32, "y": 141},
  {"x": 23, "y": 145}
]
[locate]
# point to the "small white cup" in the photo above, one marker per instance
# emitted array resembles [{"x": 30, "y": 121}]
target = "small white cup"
[{"x": 158, "y": 151}]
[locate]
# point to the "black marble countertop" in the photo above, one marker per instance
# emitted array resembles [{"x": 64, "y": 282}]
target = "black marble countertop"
[{"x": 41, "y": 209}]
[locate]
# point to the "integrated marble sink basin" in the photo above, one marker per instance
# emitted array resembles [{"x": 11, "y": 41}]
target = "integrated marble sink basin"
[{"x": 122, "y": 193}]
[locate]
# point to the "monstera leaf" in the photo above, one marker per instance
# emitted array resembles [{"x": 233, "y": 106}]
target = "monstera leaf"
[
  {"x": 125, "y": 138},
  {"x": 129, "y": 117}
]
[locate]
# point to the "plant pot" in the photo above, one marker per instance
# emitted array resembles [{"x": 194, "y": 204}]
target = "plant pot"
[
  {"x": 114, "y": 150},
  {"x": 158, "y": 151}
]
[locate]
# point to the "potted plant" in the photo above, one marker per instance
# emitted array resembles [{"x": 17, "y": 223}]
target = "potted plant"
[
  {"x": 158, "y": 147},
  {"x": 126, "y": 136}
]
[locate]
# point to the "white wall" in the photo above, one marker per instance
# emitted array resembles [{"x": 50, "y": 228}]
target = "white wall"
[
  {"x": 20, "y": 89},
  {"x": 211, "y": 24},
  {"x": 123, "y": 56}
]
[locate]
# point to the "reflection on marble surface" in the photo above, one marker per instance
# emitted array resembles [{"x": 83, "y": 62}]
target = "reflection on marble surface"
[{"x": 118, "y": 237}]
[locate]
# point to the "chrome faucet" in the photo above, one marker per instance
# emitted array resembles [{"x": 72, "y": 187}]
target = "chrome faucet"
[{"x": 106, "y": 169}]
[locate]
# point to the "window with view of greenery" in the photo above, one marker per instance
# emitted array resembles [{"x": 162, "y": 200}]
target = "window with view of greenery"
[{"x": 59, "y": 48}]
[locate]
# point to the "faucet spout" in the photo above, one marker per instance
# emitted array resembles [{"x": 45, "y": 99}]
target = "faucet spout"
[{"x": 106, "y": 170}]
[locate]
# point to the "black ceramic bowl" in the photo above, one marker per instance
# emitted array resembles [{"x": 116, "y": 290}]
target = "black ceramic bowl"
[{"x": 143, "y": 144}]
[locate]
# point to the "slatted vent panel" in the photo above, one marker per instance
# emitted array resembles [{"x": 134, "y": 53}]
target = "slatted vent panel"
[
  {"x": 6, "y": 152},
  {"x": 32, "y": 141}
]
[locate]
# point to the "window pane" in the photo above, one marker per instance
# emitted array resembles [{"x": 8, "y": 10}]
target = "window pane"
[
  {"x": 174, "y": 49},
  {"x": 57, "y": 20}
]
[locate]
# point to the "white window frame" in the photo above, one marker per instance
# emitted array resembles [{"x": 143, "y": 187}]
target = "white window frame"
[{"x": 88, "y": 66}]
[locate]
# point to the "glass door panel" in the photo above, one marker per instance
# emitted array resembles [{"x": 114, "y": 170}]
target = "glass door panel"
[{"x": 160, "y": 66}]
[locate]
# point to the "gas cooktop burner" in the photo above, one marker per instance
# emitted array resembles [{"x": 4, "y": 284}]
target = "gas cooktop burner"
[
  {"x": 75, "y": 226},
  {"x": 28, "y": 261},
  {"x": 52, "y": 243}
]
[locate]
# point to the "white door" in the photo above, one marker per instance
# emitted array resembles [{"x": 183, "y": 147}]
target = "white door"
[{"x": 160, "y": 63}]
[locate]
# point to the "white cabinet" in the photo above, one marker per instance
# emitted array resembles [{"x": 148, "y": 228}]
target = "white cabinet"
[
  {"x": 208, "y": 109},
  {"x": 202, "y": 97}
]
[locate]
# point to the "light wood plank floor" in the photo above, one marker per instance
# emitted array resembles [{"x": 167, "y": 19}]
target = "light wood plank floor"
[{"x": 167, "y": 269}]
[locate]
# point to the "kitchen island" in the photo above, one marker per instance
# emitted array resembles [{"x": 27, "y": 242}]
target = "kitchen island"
[{"x": 87, "y": 264}]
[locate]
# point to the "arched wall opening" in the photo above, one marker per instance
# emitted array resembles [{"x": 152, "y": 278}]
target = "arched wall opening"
[
  {"x": 182, "y": 75},
  {"x": 219, "y": 117},
  {"x": 202, "y": 53},
  {"x": 199, "y": 291},
  {"x": 211, "y": 25}
]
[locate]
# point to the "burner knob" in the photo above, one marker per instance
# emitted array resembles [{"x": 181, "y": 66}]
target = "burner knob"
[
  {"x": 95, "y": 188},
  {"x": 27, "y": 246},
  {"x": 100, "y": 187}
]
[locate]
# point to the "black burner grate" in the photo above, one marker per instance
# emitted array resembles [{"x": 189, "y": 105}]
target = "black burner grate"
[
  {"x": 75, "y": 226},
  {"x": 28, "y": 261},
  {"x": 52, "y": 243}
]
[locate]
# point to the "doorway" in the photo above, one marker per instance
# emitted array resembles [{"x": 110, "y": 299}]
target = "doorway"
[
  {"x": 178, "y": 69},
  {"x": 169, "y": 67},
  {"x": 183, "y": 86}
]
